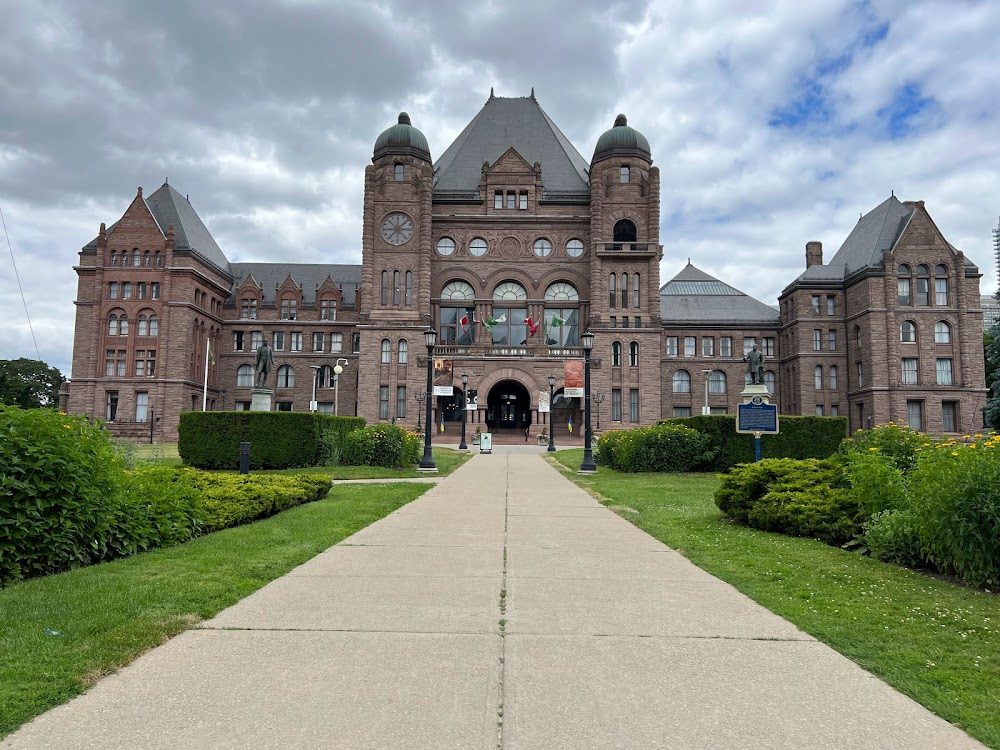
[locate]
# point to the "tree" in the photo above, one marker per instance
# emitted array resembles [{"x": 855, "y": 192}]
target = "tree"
[
  {"x": 29, "y": 383},
  {"x": 991, "y": 351}
]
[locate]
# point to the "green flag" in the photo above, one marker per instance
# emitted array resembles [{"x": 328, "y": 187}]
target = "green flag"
[{"x": 557, "y": 321}]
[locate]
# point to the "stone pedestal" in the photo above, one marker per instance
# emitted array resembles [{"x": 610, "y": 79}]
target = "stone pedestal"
[
  {"x": 758, "y": 389},
  {"x": 260, "y": 399}
]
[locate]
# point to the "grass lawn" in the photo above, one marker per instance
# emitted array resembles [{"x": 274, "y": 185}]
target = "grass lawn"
[
  {"x": 111, "y": 613},
  {"x": 935, "y": 641}
]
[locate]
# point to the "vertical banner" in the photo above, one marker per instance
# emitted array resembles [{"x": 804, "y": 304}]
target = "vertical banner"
[
  {"x": 573, "y": 374},
  {"x": 443, "y": 377},
  {"x": 471, "y": 399},
  {"x": 543, "y": 402}
]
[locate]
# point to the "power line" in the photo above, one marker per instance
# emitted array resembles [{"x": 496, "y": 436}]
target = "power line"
[{"x": 17, "y": 276}]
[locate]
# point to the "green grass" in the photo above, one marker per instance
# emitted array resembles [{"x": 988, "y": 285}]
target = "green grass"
[
  {"x": 446, "y": 459},
  {"x": 111, "y": 613},
  {"x": 936, "y": 641}
]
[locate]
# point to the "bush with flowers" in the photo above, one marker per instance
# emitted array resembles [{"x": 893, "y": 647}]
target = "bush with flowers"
[{"x": 386, "y": 445}]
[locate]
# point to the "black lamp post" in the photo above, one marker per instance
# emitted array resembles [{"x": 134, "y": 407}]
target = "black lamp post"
[
  {"x": 588, "y": 466},
  {"x": 465, "y": 410},
  {"x": 598, "y": 400},
  {"x": 552, "y": 435},
  {"x": 427, "y": 462}
]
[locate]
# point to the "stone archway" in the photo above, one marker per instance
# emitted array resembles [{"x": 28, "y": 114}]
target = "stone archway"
[{"x": 508, "y": 406}]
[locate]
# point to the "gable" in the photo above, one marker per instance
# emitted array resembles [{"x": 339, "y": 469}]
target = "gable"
[{"x": 510, "y": 163}]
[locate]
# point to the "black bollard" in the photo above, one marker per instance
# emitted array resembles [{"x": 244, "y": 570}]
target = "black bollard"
[{"x": 244, "y": 458}]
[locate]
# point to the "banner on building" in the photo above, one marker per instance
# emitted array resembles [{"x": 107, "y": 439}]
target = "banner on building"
[
  {"x": 471, "y": 399},
  {"x": 573, "y": 376},
  {"x": 443, "y": 377},
  {"x": 543, "y": 402}
]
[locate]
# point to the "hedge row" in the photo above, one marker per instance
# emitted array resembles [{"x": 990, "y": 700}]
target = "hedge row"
[
  {"x": 385, "y": 445},
  {"x": 799, "y": 437},
  {"x": 278, "y": 440},
  {"x": 659, "y": 447}
]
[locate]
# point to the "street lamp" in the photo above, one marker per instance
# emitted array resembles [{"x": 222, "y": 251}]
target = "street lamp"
[
  {"x": 588, "y": 466},
  {"x": 599, "y": 399},
  {"x": 419, "y": 397},
  {"x": 465, "y": 410},
  {"x": 705, "y": 411},
  {"x": 552, "y": 436},
  {"x": 316, "y": 370},
  {"x": 427, "y": 462},
  {"x": 337, "y": 369}
]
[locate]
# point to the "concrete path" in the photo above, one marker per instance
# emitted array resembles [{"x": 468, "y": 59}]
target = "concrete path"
[{"x": 505, "y": 608}]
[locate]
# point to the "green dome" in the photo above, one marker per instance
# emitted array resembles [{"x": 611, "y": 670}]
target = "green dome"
[
  {"x": 402, "y": 138},
  {"x": 621, "y": 140}
]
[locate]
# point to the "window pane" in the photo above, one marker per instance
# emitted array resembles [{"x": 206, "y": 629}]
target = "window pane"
[
  {"x": 941, "y": 292},
  {"x": 633, "y": 405},
  {"x": 909, "y": 373},
  {"x": 944, "y": 371}
]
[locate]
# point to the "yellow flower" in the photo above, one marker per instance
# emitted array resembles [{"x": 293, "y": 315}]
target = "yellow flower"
[
  {"x": 966, "y": 437},
  {"x": 954, "y": 453},
  {"x": 68, "y": 427},
  {"x": 873, "y": 449}
]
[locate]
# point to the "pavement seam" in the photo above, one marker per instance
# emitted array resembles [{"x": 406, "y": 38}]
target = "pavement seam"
[{"x": 503, "y": 607}]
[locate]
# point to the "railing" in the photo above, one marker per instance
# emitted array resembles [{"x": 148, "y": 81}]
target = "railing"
[
  {"x": 495, "y": 350},
  {"x": 627, "y": 247}
]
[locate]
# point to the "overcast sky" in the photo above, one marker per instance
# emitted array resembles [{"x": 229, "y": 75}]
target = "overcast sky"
[{"x": 773, "y": 123}]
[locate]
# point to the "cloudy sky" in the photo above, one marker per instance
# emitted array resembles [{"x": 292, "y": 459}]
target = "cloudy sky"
[{"x": 773, "y": 122}]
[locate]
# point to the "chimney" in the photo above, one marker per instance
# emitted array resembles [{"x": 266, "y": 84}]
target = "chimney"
[{"x": 814, "y": 254}]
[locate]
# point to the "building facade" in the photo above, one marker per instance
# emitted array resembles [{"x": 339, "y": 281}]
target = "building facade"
[{"x": 511, "y": 245}]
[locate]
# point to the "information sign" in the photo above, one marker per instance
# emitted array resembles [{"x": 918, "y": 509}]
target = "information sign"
[
  {"x": 486, "y": 442},
  {"x": 757, "y": 418}
]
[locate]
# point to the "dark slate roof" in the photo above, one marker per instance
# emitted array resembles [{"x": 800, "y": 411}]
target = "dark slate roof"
[
  {"x": 503, "y": 123},
  {"x": 694, "y": 296},
  {"x": 307, "y": 275},
  {"x": 170, "y": 207},
  {"x": 875, "y": 232}
]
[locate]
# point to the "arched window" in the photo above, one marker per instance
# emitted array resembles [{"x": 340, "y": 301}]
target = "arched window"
[
  {"x": 112, "y": 325},
  {"x": 636, "y": 297},
  {"x": 834, "y": 377},
  {"x": 386, "y": 351},
  {"x": 818, "y": 376},
  {"x": 923, "y": 270},
  {"x": 158, "y": 260},
  {"x": 286, "y": 377},
  {"x": 769, "y": 381},
  {"x": 147, "y": 259},
  {"x": 903, "y": 270},
  {"x": 123, "y": 325},
  {"x": 624, "y": 231},
  {"x": 624, "y": 290},
  {"x": 385, "y": 288},
  {"x": 857, "y": 335},
  {"x": 682, "y": 381},
  {"x": 143, "y": 326},
  {"x": 114, "y": 258},
  {"x": 941, "y": 285},
  {"x": 908, "y": 332},
  {"x": 561, "y": 291},
  {"x": 510, "y": 290},
  {"x": 458, "y": 291},
  {"x": 633, "y": 354},
  {"x": 135, "y": 257},
  {"x": 542, "y": 247},
  {"x": 154, "y": 326},
  {"x": 612, "y": 297},
  {"x": 244, "y": 376},
  {"x": 942, "y": 332},
  {"x": 940, "y": 270},
  {"x": 616, "y": 353},
  {"x": 717, "y": 381},
  {"x": 403, "y": 351},
  {"x": 478, "y": 247},
  {"x": 509, "y": 316},
  {"x": 923, "y": 285},
  {"x": 575, "y": 248},
  {"x": 409, "y": 288},
  {"x": 446, "y": 246},
  {"x": 396, "y": 291}
]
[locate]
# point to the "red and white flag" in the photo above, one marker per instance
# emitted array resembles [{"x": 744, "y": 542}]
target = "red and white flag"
[
  {"x": 532, "y": 326},
  {"x": 464, "y": 322}
]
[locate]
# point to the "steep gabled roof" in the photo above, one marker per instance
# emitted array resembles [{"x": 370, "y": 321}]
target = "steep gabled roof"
[
  {"x": 190, "y": 233},
  {"x": 875, "y": 232},
  {"x": 694, "y": 296},
  {"x": 308, "y": 275},
  {"x": 502, "y": 123}
]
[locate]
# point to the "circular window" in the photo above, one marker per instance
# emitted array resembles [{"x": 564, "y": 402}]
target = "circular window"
[
  {"x": 543, "y": 248},
  {"x": 446, "y": 246},
  {"x": 478, "y": 247},
  {"x": 574, "y": 248}
]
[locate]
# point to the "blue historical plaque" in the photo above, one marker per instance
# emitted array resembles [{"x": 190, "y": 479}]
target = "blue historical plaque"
[{"x": 757, "y": 417}]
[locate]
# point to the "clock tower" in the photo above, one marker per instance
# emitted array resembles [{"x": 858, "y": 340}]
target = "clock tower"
[{"x": 396, "y": 247}]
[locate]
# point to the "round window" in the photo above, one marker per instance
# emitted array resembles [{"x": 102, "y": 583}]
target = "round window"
[
  {"x": 574, "y": 248},
  {"x": 478, "y": 247},
  {"x": 543, "y": 248},
  {"x": 446, "y": 246}
]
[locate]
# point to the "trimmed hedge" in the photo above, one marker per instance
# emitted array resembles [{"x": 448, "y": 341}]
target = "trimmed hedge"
[
  {"x": 659, "y": 447},
  {"x": 232, "y": 499},
  {"x": 799, "y": 437},
  {"x": 278, "y": 440},
  {"x": 387, "y": 445}
]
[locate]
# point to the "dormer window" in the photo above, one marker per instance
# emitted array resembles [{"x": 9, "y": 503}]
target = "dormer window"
[
  {"x": 398, "y": 172},
  {"x": 248, "y": 308},
  {"x": 288, "y": 308},
  {"x": 523, "y": 200},
  {"x": 498, "y": 199},
  {"x": 623, "y": 173},
  {"x": 511, "y": 198}
]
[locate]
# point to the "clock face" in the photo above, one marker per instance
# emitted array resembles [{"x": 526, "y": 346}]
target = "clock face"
[{"x": 397, "y": 228}]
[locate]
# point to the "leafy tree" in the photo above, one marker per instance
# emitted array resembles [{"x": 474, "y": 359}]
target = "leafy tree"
[
  {"x": 29, "y": 383},
  {"x": 991, "y": 346}
]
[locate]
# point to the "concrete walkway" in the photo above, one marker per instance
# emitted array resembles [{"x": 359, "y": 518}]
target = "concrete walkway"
[{"x": 505, "y": 608}]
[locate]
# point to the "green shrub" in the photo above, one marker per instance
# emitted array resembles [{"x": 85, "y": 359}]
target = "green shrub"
[
  {"x": 383, "y": 444},
  {"x": 955, "y": 493},
  {"x": 799, "y": 437},
  {"x": 876, "y": 479},
  {"x": 59, "y": 480},
  {"x": 661, "y": 447},
  {"x": 746, "y": 484},
  {"x": 829, "y": 514},
  {"x": 278, "y": 440},
  {"x": 891, "y": 536},
  {"x": 157, "y": 506},
  {"x": 607, "y": 445},
  {"x": 897, "y": 443},
  {"x": 232, "y": 499}
]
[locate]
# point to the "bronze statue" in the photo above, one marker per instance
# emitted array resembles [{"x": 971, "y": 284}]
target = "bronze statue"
[
  {"x": 263, "y": 364},
  {"x": 755, "y": 365}
]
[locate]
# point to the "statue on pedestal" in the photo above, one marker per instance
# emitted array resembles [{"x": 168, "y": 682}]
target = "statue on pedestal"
[
  {"x": 263, "y": 364},
  {"x": 755, "y": 365}
]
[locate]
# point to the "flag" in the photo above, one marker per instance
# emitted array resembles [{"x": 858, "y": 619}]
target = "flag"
[
  {"x": 442, "y": 421},
  {"x": 491, "y": 321},
  {"x": 557, "y": 321},
  {"x": 211, "y": 354},
  {"x": 464, "y": 322},
  {"x": 532, "y": 326},
  {"x": 569, "y": 424}
]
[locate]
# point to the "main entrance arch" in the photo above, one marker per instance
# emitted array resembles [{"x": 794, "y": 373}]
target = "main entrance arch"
[{"x": 508, "y": 406}]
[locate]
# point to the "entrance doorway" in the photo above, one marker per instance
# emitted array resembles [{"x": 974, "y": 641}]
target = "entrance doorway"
[
  {"x": 450, "y": 407},
  {"x": 567, "y": 415},
  {"x": 508, "y": 406}
]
